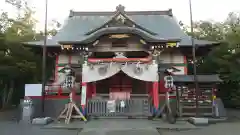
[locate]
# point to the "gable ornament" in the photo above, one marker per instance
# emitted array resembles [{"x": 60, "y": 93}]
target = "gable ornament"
[
  {"x": 121, "y": 18},
  {"x": 120, "y": 8}
]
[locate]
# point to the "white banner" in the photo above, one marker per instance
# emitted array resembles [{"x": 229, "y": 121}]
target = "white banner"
[
  {"x": 111, "y": 105},
  {"x": 33, "y": 90}
]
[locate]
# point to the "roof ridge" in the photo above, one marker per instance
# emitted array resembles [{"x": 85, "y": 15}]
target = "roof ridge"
[{"x": 110, "y": 13}]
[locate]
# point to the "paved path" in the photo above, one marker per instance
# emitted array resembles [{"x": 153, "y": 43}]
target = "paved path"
[
  {"x": 122, "y": 124},
  {"x": 119, "y": 127},
  {"x": 10, "y": 128},
  {"x": 218, "y": 129}
]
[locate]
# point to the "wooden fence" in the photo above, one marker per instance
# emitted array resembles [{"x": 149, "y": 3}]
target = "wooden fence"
[{"x": 136, "y": 106}]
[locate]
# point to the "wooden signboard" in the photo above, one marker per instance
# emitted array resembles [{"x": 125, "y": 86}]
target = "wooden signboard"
[{"x": 119, "y": 36}]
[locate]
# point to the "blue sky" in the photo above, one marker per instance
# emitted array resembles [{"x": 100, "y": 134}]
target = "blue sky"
[{"x": 216, "y": 10}]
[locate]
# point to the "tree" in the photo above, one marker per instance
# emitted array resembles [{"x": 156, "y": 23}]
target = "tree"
[
  {"x": 16, "y": 60},
  {"x": 223, "y": 59}
]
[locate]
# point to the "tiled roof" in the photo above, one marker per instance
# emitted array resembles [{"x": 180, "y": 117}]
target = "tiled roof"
[
  {"x": 160, "y": 22},
  {"x": 200, "y": 78}
]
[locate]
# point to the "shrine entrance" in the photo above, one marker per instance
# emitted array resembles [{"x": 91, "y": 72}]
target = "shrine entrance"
[
  {"x": 129, "y": 98},
  {"x": 121, "y": 83}
]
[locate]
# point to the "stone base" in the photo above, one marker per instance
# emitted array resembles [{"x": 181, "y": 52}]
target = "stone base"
[
  {"x": 42, "y": 121},
  {"x": 198, "y": 121},
  {"x": 217, "y": 120}
]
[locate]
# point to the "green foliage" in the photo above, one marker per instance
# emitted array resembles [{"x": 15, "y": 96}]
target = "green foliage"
[
  {"x": 223, "y": 59},
  {"x": 19, "y": 64}
]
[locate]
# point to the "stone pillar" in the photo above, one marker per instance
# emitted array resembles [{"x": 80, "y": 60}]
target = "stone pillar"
[{"x": 27, "y": 111}]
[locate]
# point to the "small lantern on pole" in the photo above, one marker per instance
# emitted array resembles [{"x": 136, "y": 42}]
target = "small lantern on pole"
[
  {"x": 168, "y": 81},
  {"x": 70, "y": 79}
]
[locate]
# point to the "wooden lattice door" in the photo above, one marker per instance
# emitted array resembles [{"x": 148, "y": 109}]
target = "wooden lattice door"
[{"x": 120, "y": 86}]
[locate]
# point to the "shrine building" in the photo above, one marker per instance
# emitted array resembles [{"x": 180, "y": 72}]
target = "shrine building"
[{"x": 124, "y": 55}]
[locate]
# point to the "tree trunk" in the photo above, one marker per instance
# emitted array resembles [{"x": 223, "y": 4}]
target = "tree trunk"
[
  {"x": 10, "y": 93},
  {"x": 4, "y": 96},
  {"x": 7, "y": 95}
]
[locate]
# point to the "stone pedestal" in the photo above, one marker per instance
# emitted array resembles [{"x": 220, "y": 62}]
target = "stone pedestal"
[
  {"x": 198, "y": 121},
  {"x": 27, "y": 111},
  {"x": 41, "y": 121}
]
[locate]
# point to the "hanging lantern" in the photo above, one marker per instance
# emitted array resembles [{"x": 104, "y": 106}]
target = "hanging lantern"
[
  {"x": 168, "y": 81},
  {"x": 91, "y": 66},
  {"x": 102, "y": 70},
  {"x": 138, "y": 69}
]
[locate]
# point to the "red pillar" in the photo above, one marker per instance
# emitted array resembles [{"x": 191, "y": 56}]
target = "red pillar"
[
  {"x": 84, "y": 96},
  {"x": 155, "y": 95}
]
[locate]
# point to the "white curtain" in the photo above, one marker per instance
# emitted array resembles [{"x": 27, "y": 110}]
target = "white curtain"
[
  {"x": 144, "y": 72},
  {"x": 99, "y": 72}
]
